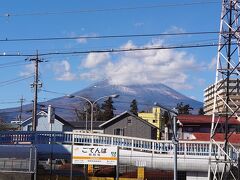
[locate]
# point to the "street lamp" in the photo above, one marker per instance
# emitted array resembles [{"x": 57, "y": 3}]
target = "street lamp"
[
  {"x": 92, "y": 103},
  {"x": 174, "y": 113}
]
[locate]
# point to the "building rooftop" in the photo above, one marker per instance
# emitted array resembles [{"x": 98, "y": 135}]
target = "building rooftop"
[
  {"x": 82, "y": 124},
  {"x": 120, "y": 116},
  {"x": 234, "y": 138},
  {"x": 204, "y": 119}
]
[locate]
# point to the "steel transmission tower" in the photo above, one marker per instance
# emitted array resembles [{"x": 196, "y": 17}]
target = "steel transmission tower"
[{"x": 224, "y": 107}]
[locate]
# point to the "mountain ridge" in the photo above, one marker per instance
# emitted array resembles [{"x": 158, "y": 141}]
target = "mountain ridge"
[{"x": 146, "y": 95}]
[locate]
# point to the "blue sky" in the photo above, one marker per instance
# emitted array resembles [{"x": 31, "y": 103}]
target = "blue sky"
[{"x": 188, "y": 71}]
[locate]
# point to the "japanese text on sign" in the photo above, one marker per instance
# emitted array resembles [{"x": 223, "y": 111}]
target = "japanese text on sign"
[{"x": 100, "y": 155}]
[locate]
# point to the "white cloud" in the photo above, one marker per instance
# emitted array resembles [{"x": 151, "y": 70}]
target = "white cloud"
[
  {"x": 175, "y": 29},
  {"x": 168, "y": 66},
  {"x": 82, "y": 39},
  {"x": 94, "y": 59},
  {"x": 63, "y": 71},
  {"x": 128, "y": 45},
  {"x": 213, "y": 63},
  {"x": 139, "y": 24},
  {"x": 201, "y": 82},
  {"x": 28, "y": 70},
  {"x": 90, "y": 75},
  {"x": 193, "y": 97}
]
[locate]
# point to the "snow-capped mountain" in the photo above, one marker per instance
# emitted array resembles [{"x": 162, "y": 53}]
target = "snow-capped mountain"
[{"x": 146, "y": 96}]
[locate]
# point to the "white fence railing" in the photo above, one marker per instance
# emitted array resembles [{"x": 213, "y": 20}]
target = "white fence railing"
[{"x": 195, "y": 148}]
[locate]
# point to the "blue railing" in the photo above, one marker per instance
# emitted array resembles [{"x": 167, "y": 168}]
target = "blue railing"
[{"x": 153, "y": 146}]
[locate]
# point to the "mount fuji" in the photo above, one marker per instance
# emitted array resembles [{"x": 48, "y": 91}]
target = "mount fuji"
[{"x": 146, "y": 96}]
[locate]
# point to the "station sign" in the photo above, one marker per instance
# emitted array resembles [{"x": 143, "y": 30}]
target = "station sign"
[{"x": 97, "y": 155}]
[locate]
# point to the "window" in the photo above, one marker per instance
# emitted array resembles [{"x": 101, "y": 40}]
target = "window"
[
  {"x": 29, "y": 127},
  {"x": 189, "y": 129},
  {"x": 129, "y": 121},
  {"x": 118, "y": 131}
]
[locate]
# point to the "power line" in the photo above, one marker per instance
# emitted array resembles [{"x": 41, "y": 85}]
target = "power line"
[
  {"x": 109, "y": 47},
  {"x": 108, "y": 9},
  {"x": 13, "y": 102},
  {"x": 131, "y": 49},
  {"x": 115, "y": 50},
  {"x": 15, "y": 79},
  {"x": 65, "y": 108},
  {"x": 54, "y": 92},
  {"x": 108, "y": 36},
  {"x": 13, "y": 65},
  {"x": 9, "y": 63},
  {"x": 12, "y": 81}
]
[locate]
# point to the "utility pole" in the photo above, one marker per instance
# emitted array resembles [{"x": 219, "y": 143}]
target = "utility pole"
[
  {"x": 20, "y": 115},
  {"x": 175, "y": 145},
  {"x": 172, "y": 114},
  {"x": 35, "y": 87}
]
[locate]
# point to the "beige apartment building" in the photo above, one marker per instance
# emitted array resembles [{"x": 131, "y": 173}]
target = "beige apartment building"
[{"x": 234, "y": 94}]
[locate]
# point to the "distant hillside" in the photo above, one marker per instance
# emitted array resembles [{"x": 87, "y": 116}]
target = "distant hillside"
[{"x": 146, "y": 96}]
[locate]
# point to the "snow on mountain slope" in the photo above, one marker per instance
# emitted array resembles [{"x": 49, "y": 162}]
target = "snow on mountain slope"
[{"x": 146, "y": 96}]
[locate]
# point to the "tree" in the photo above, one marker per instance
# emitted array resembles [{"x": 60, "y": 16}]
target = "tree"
[
  {"x": 165, "y": 118},
  {"x": 8, "y": 127},
  {"x": 83, "y": 112},
  {"x": 107, "y": 108},
  {"x": 134, "y": 107},
  {"x": 201, "y": 112},
  {"x": 183, "y": 109},
  {"x": 98, "y": 114}
]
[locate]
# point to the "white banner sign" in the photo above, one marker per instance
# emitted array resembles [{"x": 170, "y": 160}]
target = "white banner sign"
[
  {"x": 51, "y": 114},
  {"x": 98, "y": 155}
]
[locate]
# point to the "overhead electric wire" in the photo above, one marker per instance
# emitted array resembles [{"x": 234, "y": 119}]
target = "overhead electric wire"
[
  {"x": 63, "y": 107},
  {"x": 13, "y": 65},
  {"x": 56, "y": 58},
  {"x": 9, "y": 63},
  {"x": 114, "y": 50},
  {"x": 109, "y": 9},
  {"x": 54, "y": 92},
  {"x": 109, "y": 47},
  {"x": 12, "y": 81},
  {"x": 109, "y": 51},
  {"x": 9, "y": 102},
  {"x": 28, "y": 110},
  {"x": 108, "y": 36}
]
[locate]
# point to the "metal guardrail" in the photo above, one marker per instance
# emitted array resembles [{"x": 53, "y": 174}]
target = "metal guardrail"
[
  {"x": 185, "y": 148},
  {"x": 15, "y": 165},
  {"x": 18, "y": 158}
]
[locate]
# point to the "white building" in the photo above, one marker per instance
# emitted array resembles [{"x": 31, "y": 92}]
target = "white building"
[
  {"x": 234, "y": 95},
  {"x": 43, "y": 124}
]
